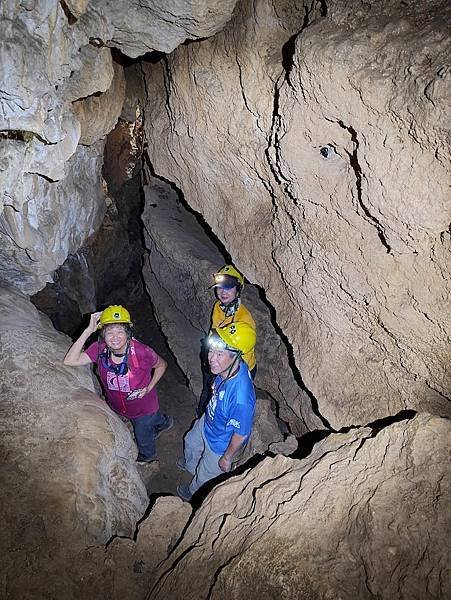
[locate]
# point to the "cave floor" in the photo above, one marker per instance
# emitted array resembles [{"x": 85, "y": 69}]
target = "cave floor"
[{"x": 176, "y": 399}]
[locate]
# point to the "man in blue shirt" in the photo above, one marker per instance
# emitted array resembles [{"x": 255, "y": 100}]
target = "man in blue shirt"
[{"x": 218, "y": 435}]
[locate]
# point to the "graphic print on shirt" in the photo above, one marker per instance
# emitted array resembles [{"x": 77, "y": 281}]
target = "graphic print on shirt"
[
  {"x": 118, "y": 383},
  {"x": 211, "y": 406}
]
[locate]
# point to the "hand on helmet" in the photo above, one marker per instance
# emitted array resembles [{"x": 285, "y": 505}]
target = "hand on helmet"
[{"x": 94, "y": 322}]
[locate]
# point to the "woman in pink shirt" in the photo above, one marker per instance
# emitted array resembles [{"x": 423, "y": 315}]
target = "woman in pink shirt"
[{"x": 129, "y": 372}]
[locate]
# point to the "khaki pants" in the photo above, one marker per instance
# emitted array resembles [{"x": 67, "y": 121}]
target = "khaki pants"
[{"x": 200, "y": 461}]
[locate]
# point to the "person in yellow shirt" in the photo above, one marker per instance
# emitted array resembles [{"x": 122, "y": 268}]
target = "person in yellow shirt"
[{"x": 228, "y": 308}]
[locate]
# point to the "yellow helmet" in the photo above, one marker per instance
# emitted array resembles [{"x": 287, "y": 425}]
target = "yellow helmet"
[
  {"x": 238, "y": 336},
  {"x": 114, "y": 314},
  {"x": 228, "y": 276}
]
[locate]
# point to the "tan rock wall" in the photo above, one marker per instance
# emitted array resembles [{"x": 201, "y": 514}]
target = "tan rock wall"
[{"x": 326, "y": 183}]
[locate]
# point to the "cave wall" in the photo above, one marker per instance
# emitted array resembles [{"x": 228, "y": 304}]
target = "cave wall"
[
  {"x": 60, "y": 94},
  {"x": 106, "y": 269},
  {"x": 319, "y": 161},
  {"x": 310, "y": 136}
]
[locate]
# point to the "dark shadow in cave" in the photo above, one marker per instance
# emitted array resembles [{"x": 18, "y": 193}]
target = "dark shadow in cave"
[{"x": 151, "y": 57}]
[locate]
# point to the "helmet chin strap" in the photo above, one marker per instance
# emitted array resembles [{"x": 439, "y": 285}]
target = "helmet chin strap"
[
  {"x": 229, "y": 370},
  {"x": 230, "y": 309}
]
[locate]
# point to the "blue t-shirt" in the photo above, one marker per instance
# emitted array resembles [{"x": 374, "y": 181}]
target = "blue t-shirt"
[{"x": 230, "y": 410}]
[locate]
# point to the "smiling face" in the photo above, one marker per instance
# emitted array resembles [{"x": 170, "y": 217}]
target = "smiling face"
[
  {"x": 116, "y": 337},
  {"x": 220, "y": 361},
  {"x": 226, "y": 295}
]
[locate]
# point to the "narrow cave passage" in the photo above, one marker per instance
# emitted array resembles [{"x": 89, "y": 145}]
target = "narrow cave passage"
[
  {"x": 156, "y": 257},
  {"x": 146, "y": 144},
  {"x": 108, "y": 270}
]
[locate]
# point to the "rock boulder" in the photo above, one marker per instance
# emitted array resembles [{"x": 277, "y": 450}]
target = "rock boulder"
[
  {"x": 365, "y": 515},
  {"x": 68, "y": 474}
]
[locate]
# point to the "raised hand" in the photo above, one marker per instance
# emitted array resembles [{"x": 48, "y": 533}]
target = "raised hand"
[{"x": 93, "y": 322}]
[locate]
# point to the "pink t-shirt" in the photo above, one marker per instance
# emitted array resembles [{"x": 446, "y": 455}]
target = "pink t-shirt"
[{"x": 141, "y": 360}]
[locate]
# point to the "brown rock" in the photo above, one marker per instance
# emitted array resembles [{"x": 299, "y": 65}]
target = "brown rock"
[
  {"x": 127, "y": 567},
  {"x": 363, "y": 516},
  {"x": 68, "y": 476},
  {"x": 320, "y": 167},
  {"x": 76, "y": 7}
]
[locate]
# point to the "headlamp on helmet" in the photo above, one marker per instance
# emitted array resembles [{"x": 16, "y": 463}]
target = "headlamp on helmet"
[
  {"x": 225, "y": 281},
  {"x": 237, "y": 337},
  {"x": 214, "y": 342},
  {"x": 115, "y": 314},
  {"x": 228, "y": 277}
]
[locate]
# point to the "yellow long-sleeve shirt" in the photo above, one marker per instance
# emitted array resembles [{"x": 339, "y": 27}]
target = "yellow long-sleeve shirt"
[{"x": 218, "y": 319}]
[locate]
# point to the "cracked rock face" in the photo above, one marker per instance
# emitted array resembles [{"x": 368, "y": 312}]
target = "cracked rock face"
[
  {"x": 68, "y": 476},
  {"x": 318, "y": 159},
  {"x": 139, "y": 27},
  {"x": 363, "y": 516},
  {"x": 51, "y": 186},
  {"x": 53, "y": 221},
  {"x": 59, "y": 89}
]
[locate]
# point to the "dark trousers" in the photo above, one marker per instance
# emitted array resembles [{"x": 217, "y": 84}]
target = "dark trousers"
[{"x": 145, "y": 429}]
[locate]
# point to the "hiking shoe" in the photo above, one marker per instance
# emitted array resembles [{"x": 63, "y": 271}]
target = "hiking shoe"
[
  {"x": 166, "y": 427},
  {"x": 183, "y": 492},
  {"x": 180, "y": 462},
  {"x": 143, "y": 460}
]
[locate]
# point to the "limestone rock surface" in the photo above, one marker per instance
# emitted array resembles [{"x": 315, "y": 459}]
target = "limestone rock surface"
[
  {"x": 51, "y": 197},
  {"x": 365, "y": 515},
  {"x": 139, "y": 27},
  {"x": 97, "y": 274},
  {"x": 98, "y": 114},
  {"x": 317, "y": 156},
  {"x": 57, "y": 91},
  {"x": 68, "y": 474},
  {"x": 94, "y": 75},
  {"x": 178, "y": 272},
  {"x": 54, "y": 219},
  {"x": 127, "y": 567}
]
